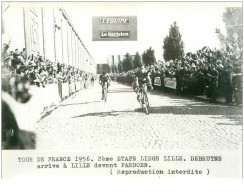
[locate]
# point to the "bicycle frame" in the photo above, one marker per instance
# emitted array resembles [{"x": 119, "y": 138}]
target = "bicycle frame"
[
  {"x": 104, "y": 91},
  {"x": 143, "y": 98}
]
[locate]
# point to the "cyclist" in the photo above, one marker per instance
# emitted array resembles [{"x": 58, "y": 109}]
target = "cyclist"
[
  {"x": 104, "y": 78},
  {"x": 142, "y": 77}
]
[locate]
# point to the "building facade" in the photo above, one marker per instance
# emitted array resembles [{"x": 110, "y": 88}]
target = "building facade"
[
  {"x": 47, "y": 31},
  {"x": 114, "y": 60},
  {"x": 103, "y": 68}
]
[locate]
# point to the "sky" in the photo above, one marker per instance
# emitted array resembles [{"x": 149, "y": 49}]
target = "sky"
[{"x": 197, "y": 22}]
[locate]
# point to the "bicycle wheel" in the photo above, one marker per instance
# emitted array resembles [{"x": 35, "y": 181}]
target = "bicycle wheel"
[
  {"x": 141, "y": 100},
  {"x": 102, "y": 92},
  {"x": 105, "y": 93},
  {"x": 146, "y": 102},
  {"x": 102, "y": 95}
]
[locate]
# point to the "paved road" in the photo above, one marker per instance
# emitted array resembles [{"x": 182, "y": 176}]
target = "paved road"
[{"x": 86, "y": 122}]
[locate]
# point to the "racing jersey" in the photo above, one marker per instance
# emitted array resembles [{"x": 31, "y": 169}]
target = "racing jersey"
[
  {"x": 104, "y": 78},
  {"x": 142, "y": 77}
]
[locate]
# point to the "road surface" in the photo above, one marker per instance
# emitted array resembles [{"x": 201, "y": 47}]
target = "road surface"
[{"x": 85, "y": 122}]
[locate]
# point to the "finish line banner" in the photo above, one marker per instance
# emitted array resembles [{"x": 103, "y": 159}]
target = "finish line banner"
[{"x": 114, "y": 28}]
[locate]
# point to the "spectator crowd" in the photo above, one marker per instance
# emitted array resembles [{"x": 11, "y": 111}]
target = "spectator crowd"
[
  {"x": 207, "y": 72},
  {"x": 20, "y": 71}
]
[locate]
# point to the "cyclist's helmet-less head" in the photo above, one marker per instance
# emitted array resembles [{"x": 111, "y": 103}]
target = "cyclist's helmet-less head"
[
  {"x": 104, "y": 73},
  {"x": 142, "y": 68}
]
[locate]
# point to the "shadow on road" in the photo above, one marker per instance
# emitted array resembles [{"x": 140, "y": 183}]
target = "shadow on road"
[
  {"x": 102, "y": 114},
  {"x": 120, "y": 91},
  {"x": 195, "y": 110},
  {"x": 74, "y": 104},
  {"x": 231, "y": 113},
  {"x": 237, "y": 120}
]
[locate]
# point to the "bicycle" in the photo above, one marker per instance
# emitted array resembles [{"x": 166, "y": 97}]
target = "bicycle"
[
  {"x": 104, "y": 91},
  {"x": 143, "y": 99}
]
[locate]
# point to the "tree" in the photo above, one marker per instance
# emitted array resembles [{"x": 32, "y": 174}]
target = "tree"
[
  {"x": 120, "y": 68},
  {"x": 232, "y": 43},
  {"x": 148, "y": 57},
  {"x": 173, "y": 44},
  {"x": 232, "y": 18},
  {"x": 112, "y": 68},
  {"x": 127, "y": 62},
  {"x": 137, "y": 61},
  {"x": 115, "y": 69}
]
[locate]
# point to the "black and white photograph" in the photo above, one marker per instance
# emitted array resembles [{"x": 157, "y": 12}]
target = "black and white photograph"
[{"x": 131, "y": 89}]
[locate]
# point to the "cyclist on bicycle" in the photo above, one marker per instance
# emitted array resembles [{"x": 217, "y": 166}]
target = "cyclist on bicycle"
[
  {"x": 142, "y": 77},
  {"x": 104, "y": 78}
]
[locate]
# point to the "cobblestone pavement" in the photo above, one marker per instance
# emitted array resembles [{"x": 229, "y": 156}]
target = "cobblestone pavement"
[{"x": 86, "y": 122}]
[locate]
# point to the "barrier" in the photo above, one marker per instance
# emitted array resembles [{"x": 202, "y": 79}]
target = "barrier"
[
  {"x": 78, "y": 86},
  {"x": 82, "y": 84},
  {"x": 50, "y": 95},
  {"x": 65, "y": 90},
  {"x": 157, "y": 81},
  {"x": 85, "y": 83},
  {"x": 71, "y": 88},
  {"x": 60, "y": 90},
  {"x": 170, "y": 82},
  {"x": 27, "y": 114}
]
